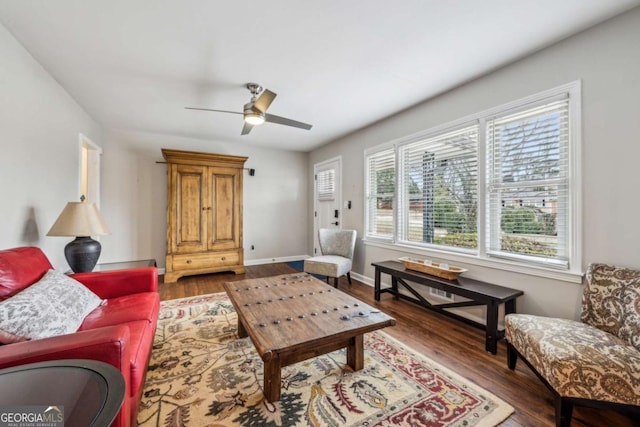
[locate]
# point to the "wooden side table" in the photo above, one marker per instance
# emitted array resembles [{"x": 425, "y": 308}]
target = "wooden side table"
[{"x": 86, "y": 392}]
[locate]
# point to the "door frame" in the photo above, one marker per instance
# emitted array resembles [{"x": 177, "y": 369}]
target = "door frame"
[
  {"x": 316, "y": 168},
  {"x": 90, "y": 169}
]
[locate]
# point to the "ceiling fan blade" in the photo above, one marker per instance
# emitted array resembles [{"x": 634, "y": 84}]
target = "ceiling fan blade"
[
  {"x": 264, "y": 100},
  {"x": 208, "y": 109},
  {"x": 246, "y": 128},
  {"x": 287, "y": 122}
]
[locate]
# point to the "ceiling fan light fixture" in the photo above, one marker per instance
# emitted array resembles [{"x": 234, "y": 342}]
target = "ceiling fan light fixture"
[
  {"x": 255, "y": 111},
  {"x": 254, "y": 118}
]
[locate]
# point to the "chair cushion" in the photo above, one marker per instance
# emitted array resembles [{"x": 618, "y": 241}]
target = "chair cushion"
[
  {"x": 606, "y": 304},
  {"x": 337, "y": 242},
  {"x": 576, "y": 359},
  {"x": 328, "y": 265},
  {"x": 630, "y": 328}
]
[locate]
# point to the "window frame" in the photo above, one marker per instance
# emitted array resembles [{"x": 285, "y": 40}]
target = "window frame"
[
  {"x": 402, "y": 196},
  {"x": 376, "y": 151},
  {"x": 481, "y": 256},
  {"x": 492, "y": 235}
]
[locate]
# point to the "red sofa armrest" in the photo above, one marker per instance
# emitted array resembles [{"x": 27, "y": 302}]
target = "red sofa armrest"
[
  {"x": 116, "y": 283},
  {"x": 109, "y": 344}
]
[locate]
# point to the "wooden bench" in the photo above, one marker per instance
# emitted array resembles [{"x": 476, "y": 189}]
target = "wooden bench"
[{"x": 477, "y": 292}]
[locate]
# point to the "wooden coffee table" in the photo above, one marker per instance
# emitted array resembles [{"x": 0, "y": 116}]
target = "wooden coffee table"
[{"x": 294, "y": 317}]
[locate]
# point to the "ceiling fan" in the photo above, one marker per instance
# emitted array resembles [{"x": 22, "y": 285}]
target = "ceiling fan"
[{"x": 255, "y": 111}]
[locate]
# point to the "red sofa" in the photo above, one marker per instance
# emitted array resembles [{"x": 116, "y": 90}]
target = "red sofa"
[{"x": 119, "y": 332}]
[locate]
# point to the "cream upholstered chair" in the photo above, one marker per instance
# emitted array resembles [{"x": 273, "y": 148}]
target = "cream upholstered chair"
[
  {"x": 337, "y": 248},
  {"x": 595, "y": 362}
]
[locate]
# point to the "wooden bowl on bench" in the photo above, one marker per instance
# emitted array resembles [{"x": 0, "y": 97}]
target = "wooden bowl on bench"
[{"x": 450, "y": 272}]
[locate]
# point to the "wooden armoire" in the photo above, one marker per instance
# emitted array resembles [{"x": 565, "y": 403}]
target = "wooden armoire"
[{"x": 204, "y": 213}]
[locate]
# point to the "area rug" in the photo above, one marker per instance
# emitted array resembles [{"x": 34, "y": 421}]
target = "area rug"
[{"x": 201, "y": 374}]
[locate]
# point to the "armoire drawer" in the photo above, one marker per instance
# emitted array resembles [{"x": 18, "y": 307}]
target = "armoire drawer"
[{"x": 195, "y": 261}]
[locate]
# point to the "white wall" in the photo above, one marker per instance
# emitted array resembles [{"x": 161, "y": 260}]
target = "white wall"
[
  {"x": 134, "y": 197},
  {"x": 40, "y": 151},
  {"x": 40, "y": 125},
  {"x": 607, "y": 60}
]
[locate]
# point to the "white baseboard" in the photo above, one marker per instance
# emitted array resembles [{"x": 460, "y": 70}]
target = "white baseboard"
[
  {"x": 364, "y": 279},
  {"x": 275, "y": 260}
]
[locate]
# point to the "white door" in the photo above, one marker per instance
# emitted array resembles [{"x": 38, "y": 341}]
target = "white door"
[{"x": 328, "y": 198}]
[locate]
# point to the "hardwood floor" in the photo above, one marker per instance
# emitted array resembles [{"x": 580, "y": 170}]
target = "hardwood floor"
[{"x": 451, "y": 343}]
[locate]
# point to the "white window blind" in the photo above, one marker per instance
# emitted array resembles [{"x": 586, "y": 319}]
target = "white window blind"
[
  {"x": 326, "y": 182},
  {"x": 528, "y": 184},
  {"x": 439, "y": 185},
  {"x": 381, "y": 189},
  {"x": 502, "y": 185}
]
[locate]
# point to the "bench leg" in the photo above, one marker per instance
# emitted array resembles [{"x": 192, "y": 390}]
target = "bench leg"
[
  {"x": 491, "y": 340},
  {"x": 376, "y": 287},
  {"x": 349, "y": 277},
  {"x": 335, "y": 282}
]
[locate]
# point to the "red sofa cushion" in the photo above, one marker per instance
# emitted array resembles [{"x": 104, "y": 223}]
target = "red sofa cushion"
[
  {"x": 127, "y": 308},
  {"x": 21, "y": 267}
]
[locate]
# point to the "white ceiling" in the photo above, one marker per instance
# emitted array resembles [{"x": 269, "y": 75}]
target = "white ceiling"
[{"x": 338, "y": 64}]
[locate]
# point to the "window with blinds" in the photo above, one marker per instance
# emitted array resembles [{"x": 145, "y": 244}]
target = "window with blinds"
[
  {"x": 439, "y": 187},
  {"x": 326, "y": 184},
  {"x": 500, "y": 185},
  {"x": 380, "y": 194},
  {"x": 528, "y": 183}
]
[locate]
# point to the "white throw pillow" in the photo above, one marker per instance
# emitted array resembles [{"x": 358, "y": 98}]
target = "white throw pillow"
[{"x": 55, "y": 305}]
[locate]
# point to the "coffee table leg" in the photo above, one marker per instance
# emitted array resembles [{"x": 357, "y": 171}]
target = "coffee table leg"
[
  {"x": 242, "y": 332},
  {"x": 355, "y": 353},
  {"x": 272, "y": 379}
]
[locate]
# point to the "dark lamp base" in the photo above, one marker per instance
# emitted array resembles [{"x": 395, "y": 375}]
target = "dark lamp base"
[{"x": 82, "y": 254}]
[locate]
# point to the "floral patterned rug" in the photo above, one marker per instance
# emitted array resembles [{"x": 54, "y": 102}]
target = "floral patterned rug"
[{"x": 201, "y": 374}]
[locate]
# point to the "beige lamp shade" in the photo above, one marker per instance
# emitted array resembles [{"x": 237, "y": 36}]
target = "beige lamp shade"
[{"x": 79, "y": 219}]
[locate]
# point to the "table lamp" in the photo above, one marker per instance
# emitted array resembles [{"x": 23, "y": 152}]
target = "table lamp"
[{"x": 80, "y": 219}]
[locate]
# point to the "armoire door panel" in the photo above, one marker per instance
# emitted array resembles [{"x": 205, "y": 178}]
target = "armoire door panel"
[
  {"x": 190, "y": 209},
  {"x": 223, "y": 233}
]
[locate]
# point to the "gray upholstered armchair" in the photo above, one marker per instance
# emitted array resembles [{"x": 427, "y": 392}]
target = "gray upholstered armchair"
[
  {"x": 595, "y": 362},
  {"x": 337, "y": 248}
]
